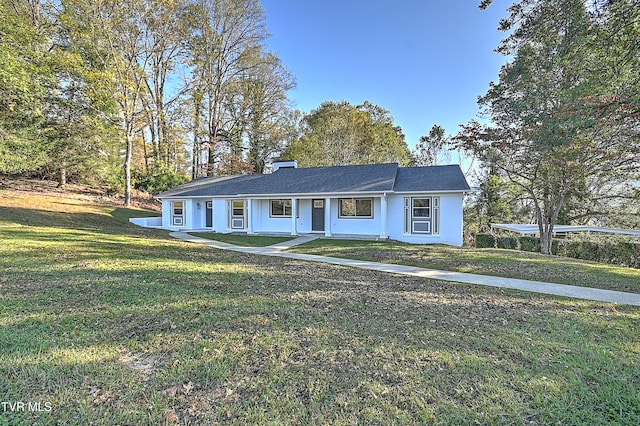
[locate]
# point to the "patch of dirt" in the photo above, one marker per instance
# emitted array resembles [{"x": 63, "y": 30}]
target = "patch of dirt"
[
  {"x": 89, "y": 194},
  {"x": 143, "y": 363}
]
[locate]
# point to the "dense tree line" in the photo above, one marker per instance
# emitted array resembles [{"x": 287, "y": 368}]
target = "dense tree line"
[
  {"x": 147, "y": 92},
  {"x": 155, "y": 87},
  {"x": 152, "y": 92}
]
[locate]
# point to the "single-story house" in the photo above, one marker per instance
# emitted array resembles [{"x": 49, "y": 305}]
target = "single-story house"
[{"x": 411, "y": 204}]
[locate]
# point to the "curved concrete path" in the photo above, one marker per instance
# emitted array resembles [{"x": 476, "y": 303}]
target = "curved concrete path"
[{"x": 525, "y": 285}]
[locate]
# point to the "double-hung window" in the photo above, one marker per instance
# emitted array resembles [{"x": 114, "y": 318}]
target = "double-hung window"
[
  {"x": 236, "y": 214},
  {"x": 356, "y": 207},
  {"x": 177, "y": 213}
]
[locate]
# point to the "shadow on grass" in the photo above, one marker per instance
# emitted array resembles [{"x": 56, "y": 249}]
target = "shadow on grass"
[
  {"x": 285, "y": 341},
  {"x": 114, "y": 220},
  {"x": 299, "y": 341}
]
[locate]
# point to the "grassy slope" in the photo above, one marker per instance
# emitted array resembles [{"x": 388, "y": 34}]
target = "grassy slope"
[
  {"x": 502, "y": 263},
  {"x": 113, "y": 324}
]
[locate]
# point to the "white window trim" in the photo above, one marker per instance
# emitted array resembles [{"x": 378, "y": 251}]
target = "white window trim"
[
  {"x": 413, "y": 227},
  {"x": 355, "y": 216},
  {"x": 177, "y": 219},
  {"x": 283, "y": 215},
  {"x": 231, "y": 218},
  {"x": 433, "y": 220}
]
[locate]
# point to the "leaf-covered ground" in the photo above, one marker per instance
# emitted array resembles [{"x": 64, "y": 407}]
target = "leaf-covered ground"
[{"x": 113, "y": 324}]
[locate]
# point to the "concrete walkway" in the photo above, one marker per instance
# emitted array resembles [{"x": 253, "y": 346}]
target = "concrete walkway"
[{"x": 525, "y": 285}]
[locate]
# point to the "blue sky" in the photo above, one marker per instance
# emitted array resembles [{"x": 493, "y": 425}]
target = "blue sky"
[{"x": 425, "y": 61}]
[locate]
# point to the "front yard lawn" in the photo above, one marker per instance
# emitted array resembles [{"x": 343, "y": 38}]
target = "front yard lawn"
[
  {"x": 242, "y": 239},
  {"x": 102, "y": 322},
  {"x": 502, "y": 263}
]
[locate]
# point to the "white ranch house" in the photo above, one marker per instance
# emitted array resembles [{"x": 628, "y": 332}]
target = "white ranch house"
[{"x": 410, "y": 204}]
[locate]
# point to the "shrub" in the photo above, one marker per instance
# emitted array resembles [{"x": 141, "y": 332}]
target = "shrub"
[
  {"x": 585, "y": 250},
  {"x": 620, "y": 253},
  {"x": 485, "y": 241},
  {"x": 158, "y": 179},
  {"x": 623, "y": 253},
  {"x": 507, "y": 243},
  {"x": 530, "y": 244}
]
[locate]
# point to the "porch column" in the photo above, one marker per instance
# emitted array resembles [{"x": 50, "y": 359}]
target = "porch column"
[
  {"x": 327, "y": 217},
  {"x": 383, "y": 216},
  {"x": 249, "y": 216},
  {"x": 294, "y": 219}
]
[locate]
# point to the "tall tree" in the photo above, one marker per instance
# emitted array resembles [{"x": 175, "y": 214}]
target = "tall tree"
[
  {"x": 432, "y": 147},
  {"x": 342, "y": 134},
  {"x": 552, "y": 117},
  {"x": 267, "y": 110},
  {"x": 57, "y": 109},
  {"x": 79, "y": 103},
  {"x": 24, "y": 72},
  {"x": 165, "y": 32},
  {"x": 119, "y": 39},
  {"x": 227, "y": 38}
]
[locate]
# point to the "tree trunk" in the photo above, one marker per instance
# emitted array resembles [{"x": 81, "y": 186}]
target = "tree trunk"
[
  {"x": 62, "y": 175},
  {"x": 546, "y": 237},
  {"x": 127, "y": 170},
  {"x": 146, "y": 155}
]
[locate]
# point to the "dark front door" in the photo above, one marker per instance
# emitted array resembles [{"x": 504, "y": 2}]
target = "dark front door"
[
  {"x": 209, "y": 214},
  {"x": 317, "y": 216}
]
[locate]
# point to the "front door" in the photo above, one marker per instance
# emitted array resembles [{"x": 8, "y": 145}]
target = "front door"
[
  {"x": 209, "y": 214},
  {"x": 317, "y": 216}
]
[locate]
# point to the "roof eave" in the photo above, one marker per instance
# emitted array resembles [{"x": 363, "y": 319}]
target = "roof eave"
[{"x": 319, "y": 194}]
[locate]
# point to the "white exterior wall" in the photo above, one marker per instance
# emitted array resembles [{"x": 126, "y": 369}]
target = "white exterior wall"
[
  {"x": 304, "y": 221},
  {"x": 194, "y": 215},
  {"x": 147, "y": 222},
  {"x": 187, "y": 214},
  {"x": 263, "y": 222},
  {"x": 450, "y": 220},
  {"x": 197, "y": 214},
  {"x": 220, "y": 216},
  {"x": 166, "y": 214},
  {"x": 356, "y": 226}
]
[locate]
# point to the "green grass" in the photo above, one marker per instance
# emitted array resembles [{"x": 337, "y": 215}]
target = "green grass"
[
  {"x": 243, "y": 240},
  {"x": 502, "y": 263},
  {"x": 113, "y": 324}
]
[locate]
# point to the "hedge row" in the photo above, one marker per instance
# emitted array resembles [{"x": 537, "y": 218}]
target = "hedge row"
[{"x": 613, "y": 252}]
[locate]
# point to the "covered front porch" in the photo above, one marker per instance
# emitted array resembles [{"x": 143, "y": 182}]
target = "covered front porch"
[{"x": 346, "y": 217}]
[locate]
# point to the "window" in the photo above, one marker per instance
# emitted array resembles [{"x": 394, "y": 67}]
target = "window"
[
  {"x": 280, "y": 208},
  {"x": 237, "y": 208},
  {"x": 356, "y": 207},
  {"x": 177, "y": 213},
  {"x": 421, "y": 207},
  {"x": 235, "y": 214},
  {"x": 422, "y": 215}
]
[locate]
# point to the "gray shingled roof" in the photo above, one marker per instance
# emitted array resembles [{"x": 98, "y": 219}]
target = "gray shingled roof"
[
  {"x": 210, "y": 186},
  {"x": 431, "y": 178},
  {"x": 327, "y": 180}
]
